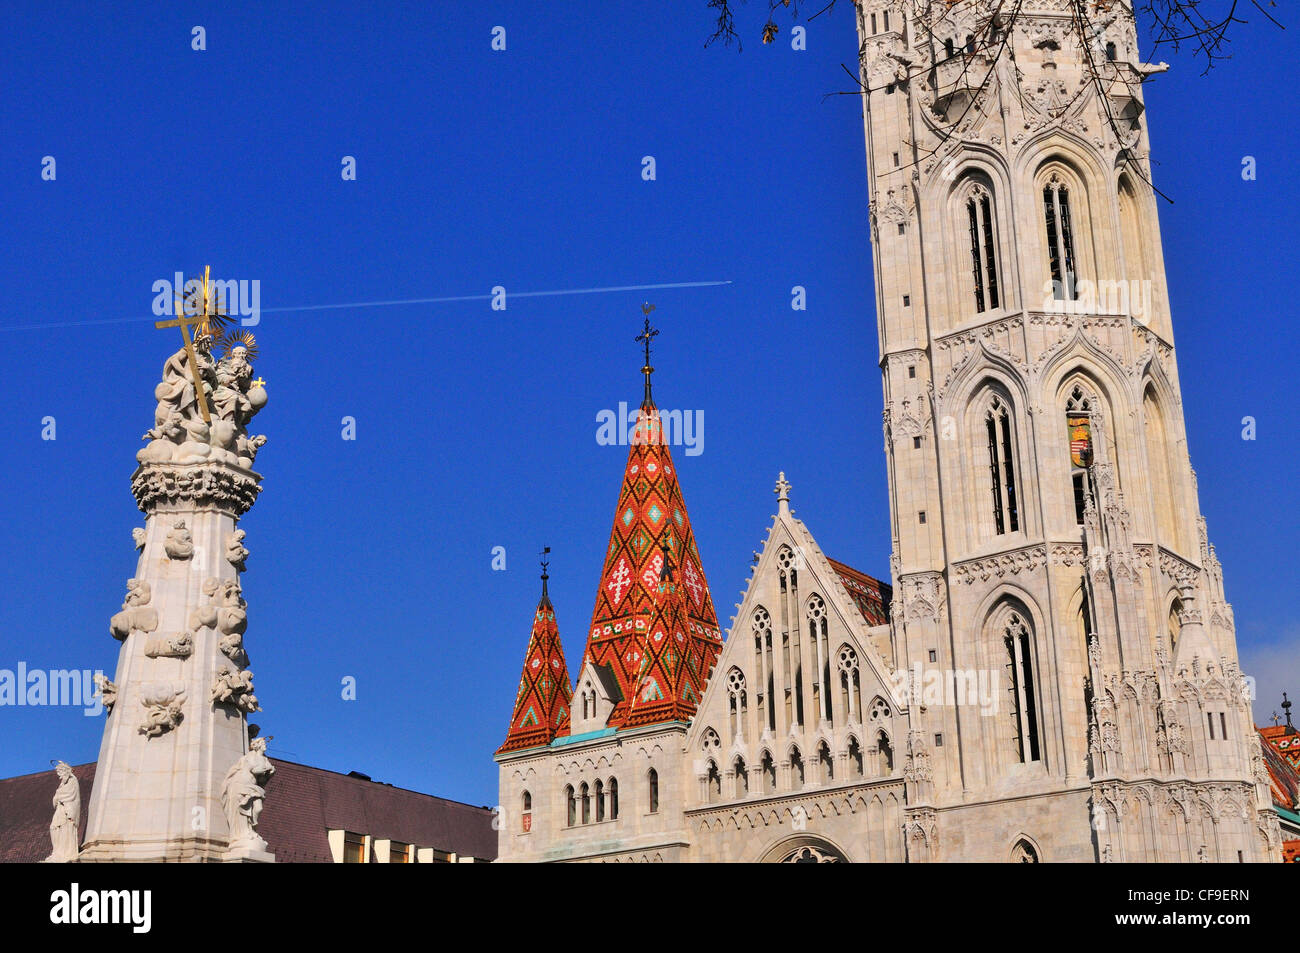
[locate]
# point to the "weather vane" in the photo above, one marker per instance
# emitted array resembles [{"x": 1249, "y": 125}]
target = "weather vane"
[
  {"x": 546, "y": 562},
  {"x": 646, "y": 336},
  {"x": 207, "y": 319}
]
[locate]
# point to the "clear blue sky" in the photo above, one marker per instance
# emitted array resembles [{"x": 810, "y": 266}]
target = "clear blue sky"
[{"x": 477, "y": 428}]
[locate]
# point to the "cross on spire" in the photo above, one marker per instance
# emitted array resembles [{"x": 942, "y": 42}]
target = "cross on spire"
[
  {"x": 646, "y": 336},
  {"x": 546, "y": 562}
]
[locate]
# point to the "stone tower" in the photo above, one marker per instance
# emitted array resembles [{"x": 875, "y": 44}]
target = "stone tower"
[
  {"x": 176, "y": 743},
  {"x": 1047, "y": 535}
]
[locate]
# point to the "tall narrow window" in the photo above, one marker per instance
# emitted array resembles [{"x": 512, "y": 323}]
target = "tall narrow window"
[
  {"x": 1060, "y": 238},
  {"x": 613, "y": 799},
  {"x": 769, "y": 773},
  {"x": 874, "y": 31},
  {"x": 586, "y": 804},
  {"x": 600, "y": 800},
  {"x": 948, "y": 49},
  {"x": 713, "y": 783},
  {"x": 1021, "y": 670},
  {"x": 884, "y": 755},
  {"x": 886, "y": 21},
  {"x": 1078, "y": 421},
  {"x": 979, "y": 212},
  {"x": 526, "y": 815},
  {"x": 1002, "y": 469},
  {"x": 654, "y": 791},
  {"x": 571, "y": 805}
]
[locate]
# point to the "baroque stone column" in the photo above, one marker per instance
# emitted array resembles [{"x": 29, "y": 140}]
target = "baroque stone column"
[{"x": 182, "y": 689}]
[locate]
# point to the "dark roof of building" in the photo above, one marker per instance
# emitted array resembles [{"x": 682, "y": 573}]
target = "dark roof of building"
[
  {"x": 869, "y": 594},
  {"x": 302, "y": 804}
]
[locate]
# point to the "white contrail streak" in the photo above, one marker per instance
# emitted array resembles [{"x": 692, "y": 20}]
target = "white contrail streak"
[{"x": 398, "y": 301}]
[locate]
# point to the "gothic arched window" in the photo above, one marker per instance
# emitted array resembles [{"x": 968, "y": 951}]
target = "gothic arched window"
[
  {"x": 1060, "y": 237},
  {"x": 571, "y": 805},
  {"x": 585, "y": 797},
  {"x": 653, "y": 780},
  {"x": 713, "y": 783},
  {"x": 742, "y": 778},
  {"x": 1024, "y": 853},
  {"x": 796, "y": 767},
  {"x": 1019, "y": 646},
  {"x": 856, "y": 765},
  {"x": 1002, "y": 469},
  {"x": 613, "y": 799},
  {"x": 1078, "y": 420},
  {"x": 884, "y": 754},
  {"x": 827, "y": 763},
  {"x": 769, "y": 773},
  {"x": 600, "y": 800},
  {"x": 983, "y": 249}
]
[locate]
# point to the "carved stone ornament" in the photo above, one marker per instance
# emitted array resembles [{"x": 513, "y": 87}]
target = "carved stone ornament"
[
  {"x": 236, "y": 552},
  {"x": 178, "y": 646},
  {"x": 167, "y": 485},
  {"x": 105, "y": 691},
  {"x": 136, "y": 614},
  {"x": 138, "y": 537},
  {"x": 162, "y": 703},
  {"x": 235, "y": 688},
  {"x": 179, "y": 544}
]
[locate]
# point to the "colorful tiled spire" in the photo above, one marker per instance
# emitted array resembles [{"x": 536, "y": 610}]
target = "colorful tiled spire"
[
  {"x": 653, "y": 584},
  {"x": 542, "y": 704}
]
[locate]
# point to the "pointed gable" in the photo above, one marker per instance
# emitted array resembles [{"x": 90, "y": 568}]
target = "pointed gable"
[
  {"x": 542, "y": 705},
  {"x": 651, "y": 525}
]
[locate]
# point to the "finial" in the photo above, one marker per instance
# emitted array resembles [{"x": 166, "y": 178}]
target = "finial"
[
  {"x": 666, "y": 574},
  {"x": 546, "y": 562},
  {"x": 1276, "y": 717},
  {"x": 782, "y": 493},
  {"x": 645, "y": 337},
  {"x": 1286, "y": 707}
]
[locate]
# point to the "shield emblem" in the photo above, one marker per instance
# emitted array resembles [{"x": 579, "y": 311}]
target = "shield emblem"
[{"x": 1080, "y": 441}]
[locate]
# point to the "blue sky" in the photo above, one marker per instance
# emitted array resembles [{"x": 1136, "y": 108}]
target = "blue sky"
[{"x": 475, "y": 429}]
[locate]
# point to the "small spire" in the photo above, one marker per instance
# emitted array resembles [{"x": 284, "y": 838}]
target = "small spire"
[
  {"x": 546, "y": 562},
  {"x": 1286, "y": 707},
  {"x": 645, "y": 337},
  {"x": 782, "y": 492}
]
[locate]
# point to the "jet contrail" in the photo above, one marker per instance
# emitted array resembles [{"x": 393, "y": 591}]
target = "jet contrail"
[{"x": 398, "y": 301}]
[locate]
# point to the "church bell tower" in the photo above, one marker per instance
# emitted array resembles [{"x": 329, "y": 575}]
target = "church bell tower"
[{"x": 1047, "y": 537}]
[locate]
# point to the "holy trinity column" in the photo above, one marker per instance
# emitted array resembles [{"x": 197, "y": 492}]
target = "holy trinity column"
[{"x": 178, "y": 777}]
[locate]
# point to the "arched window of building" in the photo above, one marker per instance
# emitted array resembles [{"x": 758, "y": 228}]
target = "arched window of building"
[
  {"x": 949, "y": 48},
  {"x": 850, "y": 682},
  {"x": 653, "y": 780},
  {"x": 983, "y": 249},
  {"x": 796, "y": 768},
  {"x": 970, "y": 43},
  {"x": 1110, "y": 51},
  {"x": 600, "y": 800},
  {"x": 1019, "y": 645},
  {"x": 769, "y": 773},
  {"x": 1078, "y": 420},
  {"x": 713, "y": 783},
  {"x": 819, "y": 639},
  {"x": 1024, "y": 853},
  {"x": 1174, "y": 625},
  {"x": 585, "y": 797},
  {"x": 613, "y": 799},
  {"x": 742, "y": 778},
  {"x": 571, "y": 805},
  {"x": 1060, "y": 237},
  {"x": 1164, "y": 496},
  {"x": 1002, "y": 469},
  {"x": 526, "y": 812},
  {"x": 738, "y": 702},
  {"x": 884, "y": 755},
  {"x": 856, "y": 765},
  {"x": 827, "y": 762}
]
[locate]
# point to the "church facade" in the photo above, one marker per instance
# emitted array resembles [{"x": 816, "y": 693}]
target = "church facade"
[{"x": 1052, "y": 673}]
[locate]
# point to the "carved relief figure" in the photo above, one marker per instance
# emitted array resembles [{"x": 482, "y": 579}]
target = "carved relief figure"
[
  {"x": 178, "y": 646},
  {"x": 242, "y": 795},
  {"x": 179, "y": 543},
  {"x": 162, "y": 702},
  {"x": 105, "y": 691},
  {"x": 136, "y": 614},
  {"x": 67, "y": 816},
  {"x": 235, "y": 688},
  {"x": 236, "y": 552}
]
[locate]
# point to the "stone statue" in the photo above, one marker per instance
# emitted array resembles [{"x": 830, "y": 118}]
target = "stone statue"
[
  {"x": 235, "y": 688},
  {"x": 178, "y": 646},
  {"x": 105, "y": 691},
  {"x": 179, "y": 543},
  {"x": 136, "y": 614},
  {"x": 138, "y": 537},
  {"x": 236, "y": 552},
  {"x": 242, "y": 795},
  {"x": 163, "y": 703},
  {"x": 64, "y": 833}
]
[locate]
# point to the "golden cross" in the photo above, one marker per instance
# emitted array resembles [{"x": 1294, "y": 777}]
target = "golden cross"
[{"x": 183, "y": 321}]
